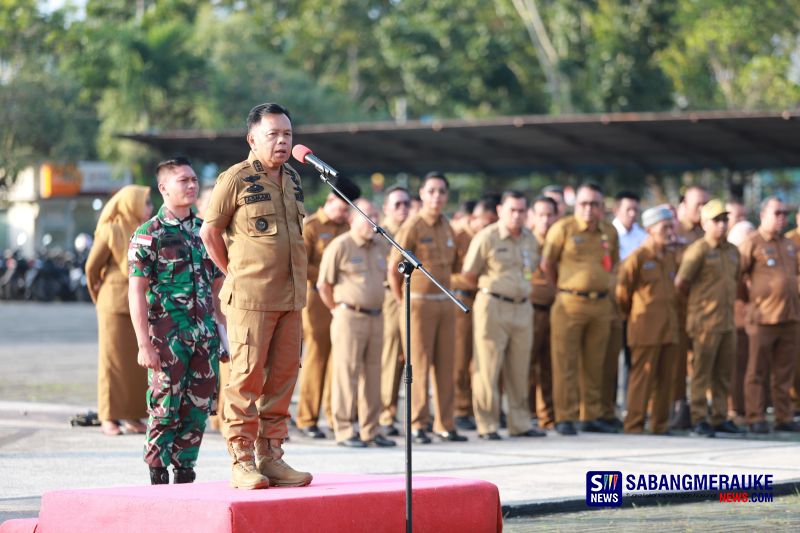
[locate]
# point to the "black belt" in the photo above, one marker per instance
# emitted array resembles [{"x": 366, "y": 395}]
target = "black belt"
[
  {"x": 591, "y": 295},
  {"x": 504, "y": 298},
  {"x": 540, "y": 307},
  {"x": 464, "y": 294},
  {"x": 359, "y": 309}
]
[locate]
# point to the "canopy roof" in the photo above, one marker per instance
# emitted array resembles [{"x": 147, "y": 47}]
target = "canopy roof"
[{"x": 627, "y": 143}]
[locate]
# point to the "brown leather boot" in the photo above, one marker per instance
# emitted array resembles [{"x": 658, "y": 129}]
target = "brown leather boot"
[
  {"x": 244, "y": 474},
  {"x": 271, "y": 464}
]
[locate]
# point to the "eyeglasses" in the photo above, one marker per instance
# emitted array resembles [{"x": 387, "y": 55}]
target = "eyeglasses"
[
  {"x": 781, "y": 213},
  {"x": 589, "y": 204},
  {"x": 404, "y": 203}
]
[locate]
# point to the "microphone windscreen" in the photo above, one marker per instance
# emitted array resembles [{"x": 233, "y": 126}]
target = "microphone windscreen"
[{"x": 300, "y": 152}]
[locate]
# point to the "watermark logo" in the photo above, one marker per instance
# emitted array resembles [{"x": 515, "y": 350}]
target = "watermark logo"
[{"x": 603, "y": 488}]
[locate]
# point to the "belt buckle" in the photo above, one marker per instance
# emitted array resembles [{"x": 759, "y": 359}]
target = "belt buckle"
[{"x": 593, "y": 295}]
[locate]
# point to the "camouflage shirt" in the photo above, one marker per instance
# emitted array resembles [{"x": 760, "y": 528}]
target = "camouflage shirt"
[{"x": 171, "y": 255}]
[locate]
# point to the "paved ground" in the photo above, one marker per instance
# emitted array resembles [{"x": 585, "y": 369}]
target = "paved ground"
[{"x": 48, "y": 354}]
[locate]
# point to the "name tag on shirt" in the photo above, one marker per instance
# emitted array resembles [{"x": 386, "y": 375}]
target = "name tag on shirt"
[{"x": 649, "y": 265}]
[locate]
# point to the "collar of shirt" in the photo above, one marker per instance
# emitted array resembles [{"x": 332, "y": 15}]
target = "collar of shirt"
[
  {"x": 322, "y": 217},
  {"x": 167, "y": 217},
  {"x": 359, "y": 240},
  {"x": 767, "y": 237},
  {"x": 688, "y": 225},
  {"x": 504, "y": 233},
  {"x": 429, "y": 218},
  {"x": 621, "y": 228},
  {"x": 714, "y": 243},
  {"x": 584, "y": 226}
]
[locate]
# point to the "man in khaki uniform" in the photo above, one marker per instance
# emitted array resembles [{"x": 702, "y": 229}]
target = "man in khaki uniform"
[
  {"x": 350, "y": 284},
  {"x": 737, "y": 232},
  {"x": 541, "y": 216},
  {"x": 483, "y": 214},
  {"x": 646, "y": 296},
  {"x": 429, "y": 237},
  {"x": 769, "y": 265},
  {"x": 319, "y": 230},
  {"x": 794, "y": 236},
  {"x": 709, "y": 272},
  {"x": 579, "y": 257},
  {"x": 688, "y": 231},
  {"x": 396, "y": 205},
  {"x": 258, "y": 204},
  {"x": 500, "y": 261}
]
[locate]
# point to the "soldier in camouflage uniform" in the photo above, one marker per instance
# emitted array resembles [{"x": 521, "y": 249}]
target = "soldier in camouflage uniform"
[{"x": 173, "y": 286}]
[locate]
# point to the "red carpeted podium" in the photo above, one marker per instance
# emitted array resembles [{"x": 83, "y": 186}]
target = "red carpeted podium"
[{"x": 331, "y": 503}]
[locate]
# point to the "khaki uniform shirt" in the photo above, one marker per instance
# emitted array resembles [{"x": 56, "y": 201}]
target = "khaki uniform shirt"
[
  {"x": 646, "y": 295},
  {"x": 431, "y": 239},
  {"x": 688, "y": 232},
  {"x": 585, "y": 258},
  {"x": 263, "y": 222},
  {"x": 463, "y": 235},
  {"x": 542, "y": 291},
  {"x": 712, "y": 271},
  {"x": 771, "y": 267},
  {"x": 318, "y": 232},
  {"x": 356, "y": 268},
  {"x": 503, "y": 263}
]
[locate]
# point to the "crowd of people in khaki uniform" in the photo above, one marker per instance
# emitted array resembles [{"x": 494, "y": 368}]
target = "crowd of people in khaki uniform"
[{"x": 703, "y": 305}]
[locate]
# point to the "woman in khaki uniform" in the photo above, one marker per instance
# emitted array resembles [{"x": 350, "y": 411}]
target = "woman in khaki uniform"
[{"x": 121, "y": 382}]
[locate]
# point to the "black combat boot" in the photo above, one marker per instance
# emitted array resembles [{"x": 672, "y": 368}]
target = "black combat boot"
[
  {"x": 159, "y": 475},
  {"x": 183, "y": 475}
]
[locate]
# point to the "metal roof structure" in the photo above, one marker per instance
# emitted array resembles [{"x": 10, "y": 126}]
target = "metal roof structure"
[{"x": 624, "y": 143}]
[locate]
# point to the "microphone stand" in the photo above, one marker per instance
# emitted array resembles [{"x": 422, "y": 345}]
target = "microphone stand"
[{"x": 406, "y": 267}]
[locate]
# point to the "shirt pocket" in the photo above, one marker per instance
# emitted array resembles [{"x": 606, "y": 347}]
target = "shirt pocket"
[
  {"x": 174, "y": 264},
  {"x": 261, "y": 219}
]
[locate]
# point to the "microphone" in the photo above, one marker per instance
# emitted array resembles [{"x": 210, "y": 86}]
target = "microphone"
[{"x": 305, "y": 155}]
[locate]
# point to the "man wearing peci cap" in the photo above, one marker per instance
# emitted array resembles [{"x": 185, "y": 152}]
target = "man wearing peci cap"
[
  {"x": 709, "y": 273},
  {"x": 319, "y": 230},
  {"x": 646, "y": 296}
]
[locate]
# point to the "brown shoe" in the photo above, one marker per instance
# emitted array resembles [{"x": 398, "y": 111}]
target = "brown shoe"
[
  {"x": 271, "y": 465},
  {"x": 244, "y": 474}
]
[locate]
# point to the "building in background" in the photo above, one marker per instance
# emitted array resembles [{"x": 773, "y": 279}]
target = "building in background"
[{"x": 49, "y": 205}]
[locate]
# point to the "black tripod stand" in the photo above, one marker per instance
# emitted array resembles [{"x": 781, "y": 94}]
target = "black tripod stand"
[{"x": 406, "y": 267}]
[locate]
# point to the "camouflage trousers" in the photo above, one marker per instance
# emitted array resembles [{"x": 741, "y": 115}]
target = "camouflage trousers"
[{"x": 180, "y": 398}]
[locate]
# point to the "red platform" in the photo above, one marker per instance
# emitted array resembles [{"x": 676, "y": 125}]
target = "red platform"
[{"x": 331, "y": 503}]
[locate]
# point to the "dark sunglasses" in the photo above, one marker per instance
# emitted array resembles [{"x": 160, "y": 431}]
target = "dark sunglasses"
[{"x": 403, "y": 203}]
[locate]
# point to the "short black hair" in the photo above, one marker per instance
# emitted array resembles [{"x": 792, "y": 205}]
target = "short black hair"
[
  {"x": 268, "y": 108},
  {"x": 516, "y": 195},
  {"x": 169, "y": 164},
  {"x": 627, "y": 195},
  {"x": 468, "y": 206},
  {"x": 435, "y": 175},
  {"x": 547, "y": 200},
  {"x": 393, "y": 188},
  {"x": 348, "y": 188},
  {"x": 591, "y": 185}
]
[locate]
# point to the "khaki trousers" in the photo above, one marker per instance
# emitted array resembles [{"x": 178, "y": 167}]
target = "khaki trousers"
[
  {"x": 503, "y": 339},
  {"x": 315, "y": 379},
  {"x": 738, "y": 369},
  {"x": 356, "y": 340},
  {"x": 265, "y": 360},
  {"x": 432, "y": 337},
  {"x": 540, "y": 380},
  {"x": 224, "y": 375},
  {"x": 608, "y": 393},
  {"x": 773, "y": 350},
  {"x": 680, "y": 369},
  {"x": 713, "y": 357},
  {"x": 463, "y": 361},
  {"x": 391, "y": 358},
  {"x": 651, "y": 376},
  {"x": 579, "y": 329}
]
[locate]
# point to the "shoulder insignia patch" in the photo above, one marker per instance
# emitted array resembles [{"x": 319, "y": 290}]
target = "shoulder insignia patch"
[{"x": 258, "y": 166}]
